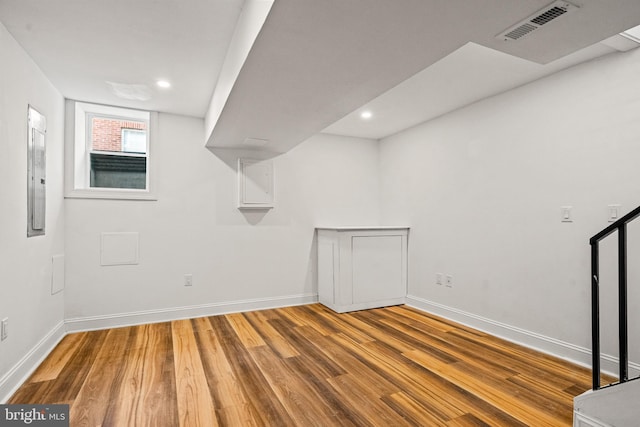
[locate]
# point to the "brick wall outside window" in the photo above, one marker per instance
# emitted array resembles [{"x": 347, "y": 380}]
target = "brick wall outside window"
[{"x": 106, "y": 134}]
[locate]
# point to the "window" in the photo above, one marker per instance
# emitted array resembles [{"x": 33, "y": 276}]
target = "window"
[
  {"x": 117, "y": 153},
  {"x": 111, "y": 149}
]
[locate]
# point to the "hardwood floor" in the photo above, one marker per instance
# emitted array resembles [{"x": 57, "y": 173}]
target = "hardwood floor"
[{"x": 305, "y": 366}]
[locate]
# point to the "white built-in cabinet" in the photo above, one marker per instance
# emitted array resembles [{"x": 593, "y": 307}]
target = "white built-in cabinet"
[{"x": 362, "y": 267}]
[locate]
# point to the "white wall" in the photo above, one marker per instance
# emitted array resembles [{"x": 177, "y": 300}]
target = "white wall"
[
  {"x": 196, "y": 228},
  {"x": 25, "y": 263},
  {"x": 482, "y": 189}
]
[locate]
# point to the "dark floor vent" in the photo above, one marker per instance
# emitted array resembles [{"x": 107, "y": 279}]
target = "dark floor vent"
[{"x": 535, "y": 21}]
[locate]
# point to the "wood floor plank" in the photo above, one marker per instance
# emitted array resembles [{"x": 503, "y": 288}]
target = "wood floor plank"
[
  {"x": 344, "y": 327},
  {"x": 260, "y": 323},
  {"x": 147, "y": 377},
  {"x": 305, "y": 365},
  {"x": 225, "y": 389},
  {"x": 497, "y": 397},
  {"x": 254, "y": 386},
  {"x": 351, "y": 363},
  {"x": 366, "y": 402},
  {"x": 470, "y": 342},
  {"x": 72, "y": 376},
  {"x": 103, "y": 380},
  {"x": 314, "y": 375},
  {"x": 247, "y": 334},
  {"x": 439, "y": 397},
  {"x": 195, "y": 407},
  {"x": 413, "y": 411},
  {"x": 302, "y": 338},
  {"x": 30, "y": 393},
  {"x": 413, "y": 381},
  {"x": 467, "y": 420},
  {"x": 58, "y": 359},
  {"x": 302, "y": 402},
  {"x": 306, "y": 317}
]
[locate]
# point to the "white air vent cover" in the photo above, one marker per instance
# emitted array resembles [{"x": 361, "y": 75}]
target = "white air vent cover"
[{"x": 537, "y": 20}]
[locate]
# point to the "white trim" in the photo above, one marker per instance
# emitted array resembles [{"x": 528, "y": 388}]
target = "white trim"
[
  {"x": 574, "y": 353},
  {"x": 101, "y": 193},
  {"x": 565, "y": 350},
  {"x": 164, "y": 315},
  {"x": 76, "y": 169},
  {"x": 582, "y": 420},
  {"x": 19, "y": 373}
]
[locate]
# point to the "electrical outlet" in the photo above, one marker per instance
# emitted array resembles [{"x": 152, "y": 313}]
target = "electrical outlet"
[
  {"x": 449, "y": 281},
  {"x": 438, "y": 278},
  {"x": 188, "y": 279},
  {"x": 4, "y": 329}
]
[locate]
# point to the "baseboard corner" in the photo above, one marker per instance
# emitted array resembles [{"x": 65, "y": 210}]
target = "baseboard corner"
[{"x": 19, "y": 373}]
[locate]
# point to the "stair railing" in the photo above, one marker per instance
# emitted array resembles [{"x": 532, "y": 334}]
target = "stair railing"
[{"x": 623, "y": 340}]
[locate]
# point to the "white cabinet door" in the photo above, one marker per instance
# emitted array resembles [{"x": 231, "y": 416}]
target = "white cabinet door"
[{"x": 377, "y": 268}]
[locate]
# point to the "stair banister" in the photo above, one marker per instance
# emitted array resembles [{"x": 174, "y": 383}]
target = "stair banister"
[{"x": 621, "y": 227}]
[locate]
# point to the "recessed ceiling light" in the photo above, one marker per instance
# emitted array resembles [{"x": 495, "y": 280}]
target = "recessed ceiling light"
[
  {"x": 366, "y": 115},
  {"x": 163, "y": 84}
]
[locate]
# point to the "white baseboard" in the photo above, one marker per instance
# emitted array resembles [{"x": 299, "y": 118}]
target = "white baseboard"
[
  {"x": 571, "y": 352},
  {"x": 17, "y": 375},
  {"x": 582, "y": 420},
  {"x": 164, "y": 315}
]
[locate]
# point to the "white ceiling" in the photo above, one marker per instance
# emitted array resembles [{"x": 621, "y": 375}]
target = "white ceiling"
[
  {"x": 315, "y": 62},
  {"x": 314, "y": 65},
  {"x": 465, "y": 76},
  {"x": 81, "y": 45}
]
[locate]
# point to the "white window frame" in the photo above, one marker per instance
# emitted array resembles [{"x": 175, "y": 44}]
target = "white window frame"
[
  {"x": 126, "y": 131},
  {"x": 78, "y": 149}
]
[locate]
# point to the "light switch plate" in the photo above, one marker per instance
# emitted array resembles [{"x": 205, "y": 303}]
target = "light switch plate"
[
  {"x": 614, "y": 212},
  {"x": 4, "y": 329},
  {"x": 566, "y": 213}
]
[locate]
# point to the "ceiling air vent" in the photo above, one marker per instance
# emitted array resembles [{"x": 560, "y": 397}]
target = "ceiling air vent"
[{"x": 537, "y": 20}]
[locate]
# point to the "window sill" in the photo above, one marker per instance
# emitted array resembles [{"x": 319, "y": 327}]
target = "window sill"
[{"x": 106, "y": 194}]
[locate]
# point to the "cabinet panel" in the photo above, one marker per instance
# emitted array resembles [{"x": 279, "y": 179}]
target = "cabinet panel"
[
  {"x": 377, "y": 268},
  {"x": 326, "y": 270}
]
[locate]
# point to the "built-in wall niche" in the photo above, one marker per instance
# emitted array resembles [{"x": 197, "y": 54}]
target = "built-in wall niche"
[
  {"x": 255, "y": 184},
  {"x": 36, "y": 173}
]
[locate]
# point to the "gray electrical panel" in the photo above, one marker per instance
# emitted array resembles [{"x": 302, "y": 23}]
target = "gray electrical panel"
[{"x": 36, "y": 170}]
